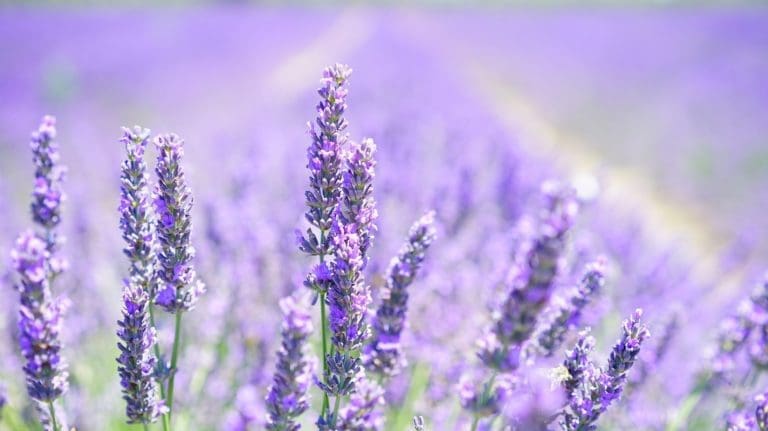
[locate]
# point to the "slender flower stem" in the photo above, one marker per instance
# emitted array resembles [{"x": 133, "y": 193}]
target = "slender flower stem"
[
  {"x": 174, "y": 361},
  {"x": 336, "y": 409},
  {"x": 157, "y": 346},
  {"x": 146, "y": 427},
  {"x": 52, "y": 413},
  {"x": 324, "y": 334}
]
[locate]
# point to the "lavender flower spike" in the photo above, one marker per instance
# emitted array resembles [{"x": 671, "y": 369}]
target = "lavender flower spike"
[
  {"x": 577, "y": 364},
  {"x": 287, "y": 398},
  {"x": 532, "y": 281},
  {"x": 358, "y": 206},
  {"x": 178, "y": 286},
  {"x": 383, "y": 353},
  {"x": 40, "y": 320},
  {"x": 47, "y": 195},
  {"x": 567, "y": 314},
  {"x": 600, "y": 388},
  {"x": 136, "y": 334},
  {"x": 324, "y": 161},
  {"x": 761, "y": 412}
]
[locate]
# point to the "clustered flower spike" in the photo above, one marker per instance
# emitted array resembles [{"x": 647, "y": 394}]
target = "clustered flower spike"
[
  {"x": 178, "y": 287},
  {"x": 47, "y": 195},
  {"x": 747, "y": 328},
  {"x": 40, "y": 320},
  {"x": 324, "y": 161},
  {"x": 348, "y": 298},
  {"x": 136, "y": 334},
  {"x": 596, "y": 388},
  {"x": 567, "y": 314},
  {"x": 287, "y": 398},
  {"x": 136, "y": 215},
  {"x": 383, "y": 354},
  {"x": 359, "y": 207},
  {"x": 761, "y": 412},
  {"x": 361, "y": 413},
  {"x": 532, "y": 281},
  {"x": 577, "y": 364}
]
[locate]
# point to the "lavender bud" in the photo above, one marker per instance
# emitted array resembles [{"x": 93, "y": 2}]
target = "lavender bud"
[
  {"x": 418, "y": 423},
  {"x": 383, "y": 353},
  {"x": 740, "y": 421},
  {"x": 487, "y": 400},
  {"x": 40, "y": 320},
  {"x": 761, "y": 412},
  {"x": 577, "y": 364},
  {"x": 288, "y": 398},
  {"x": 178, "y": 286},
  {"x": 532, "y": 281}
]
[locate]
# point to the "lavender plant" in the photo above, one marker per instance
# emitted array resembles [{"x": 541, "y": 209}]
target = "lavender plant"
[
  {"x": 136, "y": 331},
  {"x": 178, "y": 287},
  {"x": 35, "y": 261}
]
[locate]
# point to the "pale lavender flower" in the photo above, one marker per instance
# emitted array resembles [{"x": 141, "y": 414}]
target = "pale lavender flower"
[
  {"x": 532, "y": 281},
  {"x": 40, "y": 320},
  {"x": 288, "y": 397},
  {"x": 361, "y": 414},
  {"x": 136, "y": 334},
  {"x": 178, "y": 286},
  {"x": 383, "y": 354},
  {"x": 567, "y": 314},
  {"x": 3, "y": 399},
  {"x": 47, "y": 194},
  {"x": 358, "y": 207},
  {"x": 324, "y": 161},
  {"x": 740, "y": 421}
]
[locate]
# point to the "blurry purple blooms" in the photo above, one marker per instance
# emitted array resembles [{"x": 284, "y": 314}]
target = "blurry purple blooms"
[
  {"x": 288, "y": 395},
  {"x": 383, "y": 354}
]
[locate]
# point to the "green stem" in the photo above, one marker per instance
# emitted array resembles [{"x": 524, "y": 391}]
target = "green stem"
[
  {"x": 174, "y": 361},
  {"x": 52, "y": 414},
  {"x": 474, "y": 423},
  {"x": 336, "y": 409},
  {"x": 157, "y": 345},
  {"x": 324, "y": 334},
  {"x": 146, "y": 427}
]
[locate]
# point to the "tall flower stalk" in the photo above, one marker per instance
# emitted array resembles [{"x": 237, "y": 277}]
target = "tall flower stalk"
[
  {"x": 324, "y": 162},
  {"x": 383, "y": 353},
  {"x": 136, "y": 331},
  {"x": 34, "y": 259},
  {"x": 178, "y": 287}
]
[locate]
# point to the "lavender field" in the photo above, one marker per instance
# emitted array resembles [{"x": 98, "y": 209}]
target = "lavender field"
[{"x": 384, "y": 218}]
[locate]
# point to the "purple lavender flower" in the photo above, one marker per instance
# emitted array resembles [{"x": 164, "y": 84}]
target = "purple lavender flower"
[
  {"x": 599, "y": 388},
  {"x": 348, "y": 299},
  {"x": 3, "y": 399},
  {"x": 740, "y": 421},
  {"x": 136, "y": 215},
  {"x": 737, "y": 331},
  {"x": 288, "y": 398},
  {"x": 418, "y": 423},
  {"x": 358, "y": 206},
  {"x": 532, "y": 281},
  {"x": 361, "y": 413},
  {"x": 40, "y": 320},
  {"x": 566, "y": 315},
  {"x": 136, "y": 334},
  {"x": 178, "y": 286},
  {"x": 383, "y": 353},
  {"x": 324, "y": 161},
  {"x": 577, "y": 364},
  {"x": 47, "y": 195}
]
